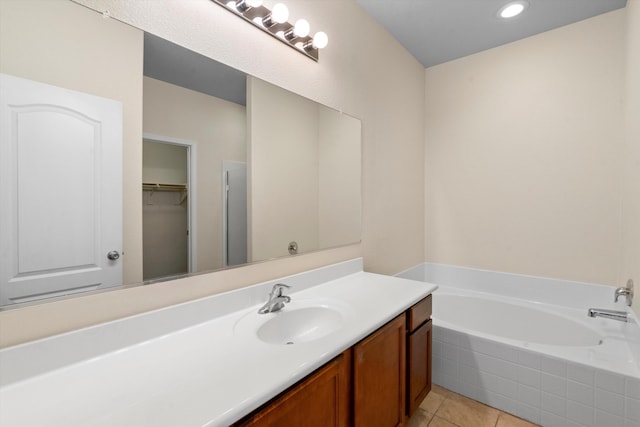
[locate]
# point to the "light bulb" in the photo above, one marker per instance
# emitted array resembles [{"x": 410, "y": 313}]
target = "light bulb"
[
  {"x": 513, "y": 9},
  {"x": 301, "y": 28},
  {"x": 244, "y": 5},
  {"x": 280, "y": 13},
  {"x": 320, "y": 40}
]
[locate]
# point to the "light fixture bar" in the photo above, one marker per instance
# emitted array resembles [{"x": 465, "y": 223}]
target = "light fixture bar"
[{"x": 263, "y": 18}]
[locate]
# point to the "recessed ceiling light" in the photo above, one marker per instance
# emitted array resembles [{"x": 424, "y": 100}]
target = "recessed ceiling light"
[{"x": 513, "y": 9}]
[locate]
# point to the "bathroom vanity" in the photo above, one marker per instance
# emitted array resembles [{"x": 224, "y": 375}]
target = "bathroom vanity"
[
  {"x": 217, "y": 362},
  {"x": 381, "y": 379}
]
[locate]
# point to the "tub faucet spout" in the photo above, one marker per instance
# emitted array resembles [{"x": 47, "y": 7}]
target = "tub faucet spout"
[{"x": 620, "y": 316}]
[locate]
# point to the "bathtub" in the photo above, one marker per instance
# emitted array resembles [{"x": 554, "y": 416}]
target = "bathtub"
[
  {"x": 525, "y": 345},
  {"x": 512, "y": 321}
]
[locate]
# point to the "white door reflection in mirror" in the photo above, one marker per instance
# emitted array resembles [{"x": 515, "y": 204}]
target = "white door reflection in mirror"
[
  {"x": 234, "y": 211},
  {"x": 61, "y": 191}
]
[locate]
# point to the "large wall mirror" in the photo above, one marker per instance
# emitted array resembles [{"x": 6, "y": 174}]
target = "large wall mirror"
[{"x": 214, "y": 169}]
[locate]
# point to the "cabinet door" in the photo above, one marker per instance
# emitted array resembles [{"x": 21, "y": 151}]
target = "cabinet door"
[
  {"x": 320, "y": 400},
  {"x": 418, "y": 366},
  {"x": 379, "y": 377}
]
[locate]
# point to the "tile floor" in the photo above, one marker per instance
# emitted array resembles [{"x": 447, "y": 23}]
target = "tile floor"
[{"x": 444, "y": 408}]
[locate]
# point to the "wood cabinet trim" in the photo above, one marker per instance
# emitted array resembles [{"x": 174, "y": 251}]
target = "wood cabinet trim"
[{"x": 419, "y": 313}]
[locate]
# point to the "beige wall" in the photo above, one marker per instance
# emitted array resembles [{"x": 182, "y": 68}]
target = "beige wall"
[
  {"x": 339, "y": 180},
  {"x": 524, "y": 145},
  {"x": 283, "y": 171},
  {"x": 358, "y": 74},
  {"x": 38, "y": 41},
  {"x": 631, "y": 155},
  {"x": 164, "y": 163},
  {"x": 218, "y": 129},
  {"x": 305, "y": 173}
]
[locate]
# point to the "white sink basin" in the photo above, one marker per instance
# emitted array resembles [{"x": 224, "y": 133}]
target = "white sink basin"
[
  {"x": 300, "y": 325},
  {"x": 298, "y": 322}
]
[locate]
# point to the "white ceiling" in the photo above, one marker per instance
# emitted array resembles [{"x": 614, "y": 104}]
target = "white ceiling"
[{"x": 437, "y": 31}]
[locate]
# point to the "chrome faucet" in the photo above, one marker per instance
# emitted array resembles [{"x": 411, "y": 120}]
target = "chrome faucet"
[
  {"x": 620, "y": 316},
  {"x": 276, "y": 299},
  {"x": 626, "y": 292}
]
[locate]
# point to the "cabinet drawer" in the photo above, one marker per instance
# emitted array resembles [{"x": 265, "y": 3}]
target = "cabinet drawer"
[{"x": 419, "y": 313}]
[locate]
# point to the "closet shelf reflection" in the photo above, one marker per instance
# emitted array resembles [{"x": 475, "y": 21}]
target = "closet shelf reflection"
[
  {"x": 163, "y": 187},
  {"x": 153, "y": 187}
]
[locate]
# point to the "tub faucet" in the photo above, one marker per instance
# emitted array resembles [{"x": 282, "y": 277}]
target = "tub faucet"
[
  {"x": 627, "y": 292},
  {"x": 620, "y": 316},
  {"x": 276, "y": 299}
]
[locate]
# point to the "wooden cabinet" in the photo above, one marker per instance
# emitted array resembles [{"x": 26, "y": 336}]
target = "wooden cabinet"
[
  {"x": 320, "y": 400},
  {"x": 418, "y": 353},
  {"x": 379, "y": 377}
]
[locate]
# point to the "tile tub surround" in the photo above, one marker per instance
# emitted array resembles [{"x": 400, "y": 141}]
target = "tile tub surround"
[
  {"x": 537, "y": 386},
  {"x": 188, "y": 364}
]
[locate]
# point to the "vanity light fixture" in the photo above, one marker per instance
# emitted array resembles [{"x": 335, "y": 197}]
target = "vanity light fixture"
[
  {"x": 274, "y": 22},
  {"x": 513, "y": 9},
  {"x": 244, "y": 5}
]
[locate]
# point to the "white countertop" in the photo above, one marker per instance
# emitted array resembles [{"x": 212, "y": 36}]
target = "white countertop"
[{"x": 208, "y": 374}]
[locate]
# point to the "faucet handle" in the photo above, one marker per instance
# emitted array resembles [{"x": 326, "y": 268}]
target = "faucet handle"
[
  {"x": 627, "y": 292},
  {"x": 278, "y": 289}
]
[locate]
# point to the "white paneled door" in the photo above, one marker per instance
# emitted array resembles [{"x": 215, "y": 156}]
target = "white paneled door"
[{"x": 60, "y": 191}]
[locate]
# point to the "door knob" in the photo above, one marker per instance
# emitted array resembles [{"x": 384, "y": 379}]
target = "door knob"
[{"x": 113, "y": 255}]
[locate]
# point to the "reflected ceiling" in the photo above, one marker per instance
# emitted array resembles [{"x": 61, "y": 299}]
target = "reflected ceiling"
[
  {"x": 437, "y": 31},
  {"x": 188, "y": 69}
]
